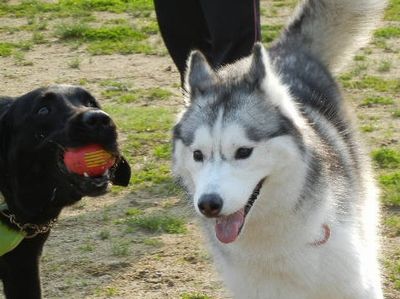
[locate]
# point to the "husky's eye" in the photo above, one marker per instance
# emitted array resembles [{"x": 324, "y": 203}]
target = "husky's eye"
[
  {"x": 243, "y": 153},
  {"x": 198, "y": 156}
]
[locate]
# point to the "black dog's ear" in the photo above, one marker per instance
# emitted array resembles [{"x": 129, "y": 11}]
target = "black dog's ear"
[
  {"x": 4, "y": 144},
  {"x": 122, "y": 173},
  {"x": 4, "y": 134}
]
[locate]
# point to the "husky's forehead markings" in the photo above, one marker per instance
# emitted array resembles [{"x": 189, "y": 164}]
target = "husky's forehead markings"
[{"x": 248, "y": 95}]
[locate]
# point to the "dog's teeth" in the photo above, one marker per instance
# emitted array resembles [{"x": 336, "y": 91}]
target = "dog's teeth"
[{"x": 86, "y": 175}]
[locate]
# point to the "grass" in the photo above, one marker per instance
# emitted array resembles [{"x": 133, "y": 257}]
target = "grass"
[
  {"x": 370, "y": 82},
  {"x": 120, "y": 248},
  {"x": 384, "y": 66},
  {"x": 360, "y": 58},
  {"x": 371, "y": 101},
  {"x": 391, "y": 189},
  {"x": 128, "y": 95},
  {"x": 393, "y": 224},
  {"x": 270, "y": 32},
  {"x": 387, "y": 32},
  {"x": 6, "y": 49},
  {"x": 109, "y": 33},
  {"x": 396, "y": 113},
  {"x": 68, "y": 8},
  {"x": 194, "y": 296},
  {"x": 123, "y": 39},
  {"x": 142, "y": 119},
  {"x": 118, "y": 37},
  {"x": 393, "y": 11},
  {"x": 386, "y": 158},
  {"x": 74, "y": 63},
  {"x": 393, "y": 269},
  {"x": 158, "y": 223},
  {"x": 368, "y": 128}
]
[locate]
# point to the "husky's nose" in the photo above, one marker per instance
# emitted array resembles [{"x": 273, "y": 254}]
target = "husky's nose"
[{"x": 210, "y": 205}]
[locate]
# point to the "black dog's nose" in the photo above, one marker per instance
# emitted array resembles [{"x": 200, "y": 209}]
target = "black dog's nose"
[
  {"x": 96, "y": 119},
  {"x": 210, "y": 205}
]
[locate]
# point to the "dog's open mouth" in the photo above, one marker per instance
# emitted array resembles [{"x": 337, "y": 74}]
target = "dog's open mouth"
[
  {"x": 228, "y": 228},
  {"x": 88, "y": 184}
]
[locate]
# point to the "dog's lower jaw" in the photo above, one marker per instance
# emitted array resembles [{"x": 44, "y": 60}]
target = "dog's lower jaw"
[{"x": 229, "y": 227}]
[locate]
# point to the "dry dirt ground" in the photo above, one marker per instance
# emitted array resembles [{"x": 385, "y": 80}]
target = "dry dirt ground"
[{"x": 90, "y": 254}]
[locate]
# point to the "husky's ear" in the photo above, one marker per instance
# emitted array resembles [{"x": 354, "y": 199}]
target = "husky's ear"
[
  {"x": 199, "y": 74},
  {"x": 258, "y": 67}
]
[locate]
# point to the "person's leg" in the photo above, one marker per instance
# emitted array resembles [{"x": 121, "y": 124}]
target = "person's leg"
[
  {"x": 234, "y": 27},
  {"x": 183, "y": 29}
]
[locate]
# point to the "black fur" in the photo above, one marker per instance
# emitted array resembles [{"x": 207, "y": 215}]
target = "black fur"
[{"x": 34, "y": 131}]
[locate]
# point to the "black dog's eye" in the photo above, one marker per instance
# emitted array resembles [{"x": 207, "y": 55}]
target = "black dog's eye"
[
  {"x": 243, "y": 153},
  {"x": 43, "y": 111},
  {"x": 91, "y": 104},
  {"x": 198, "y": 156}
]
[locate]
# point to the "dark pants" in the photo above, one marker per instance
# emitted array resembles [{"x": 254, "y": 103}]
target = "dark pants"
[{"x": 224, "y": 30}]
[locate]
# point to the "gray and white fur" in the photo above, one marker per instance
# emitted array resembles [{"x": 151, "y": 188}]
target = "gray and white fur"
[{"x": 269, "y": 157}]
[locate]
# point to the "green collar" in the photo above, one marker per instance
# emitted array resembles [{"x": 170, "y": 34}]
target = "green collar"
[{"x": 9, "y": 238}]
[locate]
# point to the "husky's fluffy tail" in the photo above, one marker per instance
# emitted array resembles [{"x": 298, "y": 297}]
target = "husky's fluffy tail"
[{"x": 333, "y": 29}]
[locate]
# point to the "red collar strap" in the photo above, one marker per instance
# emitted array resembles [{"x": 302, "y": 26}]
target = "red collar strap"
[{"x": 327, "y": 235}]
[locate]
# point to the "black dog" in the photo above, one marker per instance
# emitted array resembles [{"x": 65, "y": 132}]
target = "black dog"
[{"x": 34, "y": 131}]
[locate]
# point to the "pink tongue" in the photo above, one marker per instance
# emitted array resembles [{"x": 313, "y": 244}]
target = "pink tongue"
[{"x": 227, "y": 227}]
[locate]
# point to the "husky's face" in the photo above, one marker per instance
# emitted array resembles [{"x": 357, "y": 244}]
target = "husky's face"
[{"x": 236, "y": 135}]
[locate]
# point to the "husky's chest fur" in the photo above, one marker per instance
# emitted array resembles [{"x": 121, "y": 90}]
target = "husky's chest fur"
[{"x": 270, "y": 158}]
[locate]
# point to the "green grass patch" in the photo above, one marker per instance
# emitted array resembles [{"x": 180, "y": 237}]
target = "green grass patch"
[
  {"x": 146, "y": 145},
  {"x": 28, "y": 8},
  {"x": 393, "y": 11},
  {"x": 133, "y": 212},
  {"x": 371, "y": 101},
  {"x": 386, "y": 158},
  {"x": 149, "y": 27},
  {"x": 370, "y": 82},
  {"x": 142, "y": 119},
  {"x": 194, "y": 296},
  {"x": 360, "y": 58},
  {"x": 393, "y": 225},
  {"x": 270, "y": 32},
  {"x": 396, "y": 113},
  {"x": 391, "y": 189},
  {"x": 392, "y": 265},
  {"x": 6, "y": 49},
  {"x": 152, "y": 173},
  {"x": 87, "y": 33},
  {"x": 158, "y": 223},
  {"x": 67, "y": 8},
  {"x": 104, "y": 235},
  {"x": 388, "y": 32},
  {"x": 384, "y": 66},
  {"x": 120, "y": 248},
  {"x": 126, "y": 47},
  {"x": 123, "y": 39},
  {"x": 367, "y": 128},
  {"x": 153, "y": 242},
  {"x": 163, "y": 151},
  {"x": 133, "y": 95}
]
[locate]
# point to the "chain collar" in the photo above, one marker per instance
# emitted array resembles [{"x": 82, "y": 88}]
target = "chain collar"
[{"x": 31, "y": 230}]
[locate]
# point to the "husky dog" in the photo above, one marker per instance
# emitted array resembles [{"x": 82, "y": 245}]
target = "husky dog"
[{"x": 267, "y": 153}]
